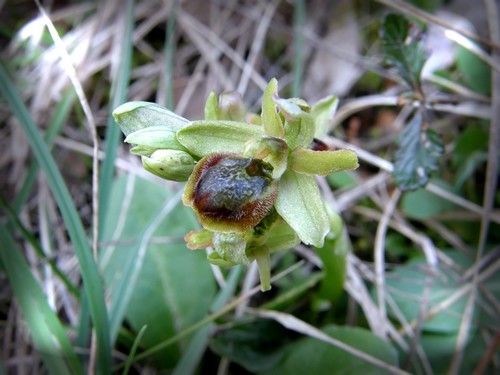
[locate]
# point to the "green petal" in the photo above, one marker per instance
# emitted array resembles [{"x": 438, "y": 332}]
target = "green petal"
[
  {"x": 322, "y": 113},
  {"x": 299, "y": 125},
  {"x": 133, "y": 116},
  {"x": 270, "y": 118},
  {"x": 206, "y": 137},
  {"x": 322, "y": 162},
  {"x": 148, "y": 140},
  {"x": 171, "y": 165},
  {"x": 299, "y": 203},
  {"x": 270, "y": 149}
]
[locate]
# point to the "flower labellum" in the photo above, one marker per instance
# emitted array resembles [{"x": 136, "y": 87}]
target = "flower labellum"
[{"x": 229, "y": 193}]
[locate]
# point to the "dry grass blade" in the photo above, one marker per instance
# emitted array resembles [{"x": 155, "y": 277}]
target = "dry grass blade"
[{"x": 297, "y": 325}]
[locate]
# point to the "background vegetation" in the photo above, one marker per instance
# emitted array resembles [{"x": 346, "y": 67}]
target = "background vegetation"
[{"x": 95, "y": 275}]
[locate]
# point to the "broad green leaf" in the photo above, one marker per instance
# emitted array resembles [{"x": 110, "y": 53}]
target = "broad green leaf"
[
  {"x": 476, "y": 73},
  {"x": 153, "y": 138},
  {"x": 402, "y": 50},
  {"x": 406, "y": 285},
  {"x": 423, "y": 204},
  {"x": 334, "y": 255},
  {"x": 322, "y": 113},
  {"x": 418, "y": 154},
  {"x": 133, "y": 116},
  {"x": 322, "y": 163},
  {"x": 160, "y": 299},
  {"x": 440, "y": 348},
  {"x": 271, "y": 120},
  {"x": 311, "y": 356},
  {"x": 299, "y": 203},
  {"x": 205, "y": 137},
  {"x": 257, "y": 345}
]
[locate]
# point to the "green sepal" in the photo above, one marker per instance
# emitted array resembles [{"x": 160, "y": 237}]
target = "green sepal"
[
  {"x": 171, "y": 165},
  {"x": 199, "y": 239},
  {"x": 231, "y": 247},
  {"x": 148, "y": 140},
  {"x": 271, "y": 120},
  {"x": 322, "y": 113},
  {"x": 206, "y": 137},
  {"x": 134, "y": 116},
  {"x": 270, "y": 149},
  {"x": 299, "y": 203},
  {"x": 322, "y": 163}
]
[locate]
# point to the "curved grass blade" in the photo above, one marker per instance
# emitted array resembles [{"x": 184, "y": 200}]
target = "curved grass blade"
[
  {"x": 74, "y": 226},
  {"x": 46, "y": 330},
  {"x": 118, "y": 96}
]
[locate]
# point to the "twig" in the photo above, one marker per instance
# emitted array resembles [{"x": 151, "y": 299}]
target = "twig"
[
  {"x": 258, "y": 42},
  {"x": 379, "y": 250},
  {"x": 388, "y": 166},
  {"x": 490, "y": 187}
]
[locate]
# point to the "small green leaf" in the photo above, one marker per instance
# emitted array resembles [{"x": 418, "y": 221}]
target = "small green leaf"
[
  {"x": 133, "y": 116},
  {"x": 271, "y": 120},
  {"x": 171, "y": 165},
  {"x": 322, "y": 113},
  {"x": 322, "y": 162},
  {"x": 299, "y": 203},
  {"x": 418, "y": 154},
  {"x": 153, "y": 138},
  {"x": 402, "y": 50},
  {"x": 206, "y": 137}
]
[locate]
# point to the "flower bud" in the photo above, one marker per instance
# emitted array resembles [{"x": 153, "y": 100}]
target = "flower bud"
[
  {"x": 231, "y": 106},
  {"x": 172, "y": 165},
  {"x": 229, "y": 193}
]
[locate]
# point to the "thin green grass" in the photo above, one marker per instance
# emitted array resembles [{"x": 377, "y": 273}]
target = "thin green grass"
[
  {"x": 118, "y": 96},
  {"x": 74, "y": 226},
  {"x": 48, "y": 334}
]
